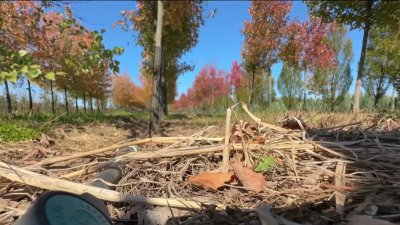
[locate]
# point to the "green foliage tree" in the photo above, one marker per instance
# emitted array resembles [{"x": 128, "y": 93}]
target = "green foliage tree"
[
  {"x": 358, "y": 15},
  {"x": 290, "y": 86},
  {"x": 383, "y": 60}
]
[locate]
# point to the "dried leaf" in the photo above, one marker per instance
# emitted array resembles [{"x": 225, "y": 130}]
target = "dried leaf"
[
  {"x": 46, "y": 141},
  {"x": 367, "y": 220},
  {"x": 250, "y": 179},
  {"x": 211, "y": 180},
  {"x": 33, "y": 153}
]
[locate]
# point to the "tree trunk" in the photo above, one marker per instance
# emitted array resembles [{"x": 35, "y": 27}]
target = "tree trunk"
[
  {"x": 84, "y": 102},
  {"x": 393, "y": 102},
  {"x": 91, "y": 104},
  {"x": 251, "y": 88},
  {"x": 66, "y": 99},
  {"x": 30, "y": 96},
  {"x": 76, "y": 104},
  {"x": 8, "y": 97},
  {"x": 98, "y": 105},
  {"x": 305, "y": 90},
  {"x": 103, "y": 108},
  {"x": 53, "y": 108},
  {"x": 164, "y": 99},
  {"x": 155, "y": 95},
  {"x": 357, "y": 91},
  {"x": 269, "y": 88}
]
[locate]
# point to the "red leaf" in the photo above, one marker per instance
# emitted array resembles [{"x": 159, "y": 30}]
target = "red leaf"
[
  {"x": 250, "y": 179},
  {"x": 212, "y": 180}
]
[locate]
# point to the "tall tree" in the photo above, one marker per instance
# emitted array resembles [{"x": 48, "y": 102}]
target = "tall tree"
[
  {"x": 383, "y": 60},
  {"x": 334, "y": 83},
  {"x": 359, "y": 15},
  {"x": 179, "y": 35},
  {"x": 305, "y": 48},
  {"x": 156, "y": 90},
  {"x": 236, "y": 79},
  {"x": 18, "y": 25},
  {"x": 263, "y": 37},
  {"x": 290, "y": 85}
]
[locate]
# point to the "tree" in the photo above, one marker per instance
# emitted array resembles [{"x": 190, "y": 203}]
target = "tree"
[
  {"x": 334, "y": 83},
  {"x": 180, "y": 32},
  {"x": 306, "y": 48},
  {"x": 290, "y": 85},
  {"x": 263, "y": 37},
  {"x": 382, "y": 62},
  {"x": 358, "y": 15},
  {"x": 208, "y": 88},
  {"x": 18, "y": 25},
  {"x": 236, "y": 80}
]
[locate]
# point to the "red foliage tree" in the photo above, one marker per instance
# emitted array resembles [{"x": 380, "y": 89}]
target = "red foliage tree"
[
  {"x": 236, "y": 78},
  {"x": 306, "y": 47},
  {"x": 208, "y": 87},
  {"x": 125, "y": 93},
  {"x": 263, "y": 36}
]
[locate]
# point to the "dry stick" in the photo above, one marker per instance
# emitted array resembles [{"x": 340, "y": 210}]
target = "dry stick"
[
  {"x": 294, "y": 161},
  {"x": 225, "y": 154},
  {"x": 45, "y": 182},
  {"x": 339, "y": 126},
  {"x": 258, "y": 120},
  {"x": 88, "y": 170},
  {"x": 340, "y": 197},
  {"x": 50, "y": 161}
]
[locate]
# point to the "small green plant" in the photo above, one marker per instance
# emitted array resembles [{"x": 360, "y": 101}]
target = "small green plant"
[
  {"x": 14, "y": 132},
  {"x": 266, "y": 164}
]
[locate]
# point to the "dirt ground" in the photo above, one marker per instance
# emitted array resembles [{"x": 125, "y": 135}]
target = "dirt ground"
[{"x": 328, "y": 168}]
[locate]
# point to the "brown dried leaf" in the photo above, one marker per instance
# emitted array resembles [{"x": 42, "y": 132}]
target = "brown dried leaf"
[
  {"x": 33, "y": 153},
  {"x": 46, "y": 141},
  {"x": 211, "y": 180},
  {"x": 250, "y": 179}
]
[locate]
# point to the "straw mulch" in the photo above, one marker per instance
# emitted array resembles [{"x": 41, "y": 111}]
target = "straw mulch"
[{"x": 346, "y": 174}]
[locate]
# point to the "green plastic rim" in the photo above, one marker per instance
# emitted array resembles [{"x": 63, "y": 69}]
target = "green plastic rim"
[{"x": 63, "y": 209}]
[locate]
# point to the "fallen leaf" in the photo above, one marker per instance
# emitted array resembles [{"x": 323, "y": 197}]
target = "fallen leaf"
[
  {"x": 250, "y": 179},
  {"x": 211, "y": 180},
  {"x": 46, "y": 141},
  {"x": 33, "y": 153},
  {"x": 367, "y": 220}
]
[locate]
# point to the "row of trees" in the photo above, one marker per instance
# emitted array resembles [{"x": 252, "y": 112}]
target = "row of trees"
[
  {"x": 316, "y": 55},
  {"x": 55, "y": 52}
]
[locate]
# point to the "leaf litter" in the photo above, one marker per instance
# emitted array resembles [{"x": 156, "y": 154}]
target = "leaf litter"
[{"x": 296, "y": 174}]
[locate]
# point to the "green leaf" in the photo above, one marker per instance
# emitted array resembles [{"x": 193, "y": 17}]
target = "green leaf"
[
  {"x": 60, "y": 73},
  {"x": 24, "y": 70},
  {"x": 266, "y": 164},
  {"x": 12, "y": 76},
  {"x": 34, "y": 66},
  {"x": 50, "y": 76},
  {"x": 103, "y": 31},
  {"x": 22, "y": 53},
  {"x": 33, "y": 73}
]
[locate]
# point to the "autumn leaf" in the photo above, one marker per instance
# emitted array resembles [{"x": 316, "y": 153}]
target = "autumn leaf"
[
  {"x": 211, "y": 180},
  {"x": 249, "y": 179}
]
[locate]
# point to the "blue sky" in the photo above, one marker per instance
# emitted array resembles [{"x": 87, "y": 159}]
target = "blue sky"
[
  {"x": 219, "y": 43},
  {"x": 220, "y": 38}
]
